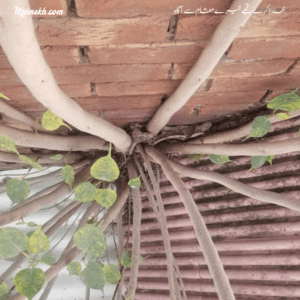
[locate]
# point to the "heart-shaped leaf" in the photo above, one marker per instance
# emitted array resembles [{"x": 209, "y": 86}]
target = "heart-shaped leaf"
[
  {"x": 135, "y": 183},
  {"x": 219, "y": 159},
  {"x": 57, "y": 157},
  {"x": 52, "y": 122},
  {"x": 49, "y": 259},
  {"x": 112, "y": 274},
  {"x": 287, "y": 102},
  {"x": 17, "y": 190},
  {"x": 106, "y": 197},
  {"x": 12, "y": 242},
  {"x": 93, "y": 275},
  {"x": 283, "y": 116},
  {"x": 74, "y": 268},
  {"x": 85, "y": 192},
  {"x": 68, "y": 175},
  {"x": 8, "y": 144},
  {"x": 31, "y": 162},
  {"x": 29, "y": 282},
  {"x": 32, "y": 224},
  {"x": 90, "y": 240},
  {"x": 38, "y": 242},
  {"x": 259, "y": 127}
]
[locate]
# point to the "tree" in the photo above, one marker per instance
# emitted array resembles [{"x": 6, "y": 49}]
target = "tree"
[{"x": 83, "y": 173}]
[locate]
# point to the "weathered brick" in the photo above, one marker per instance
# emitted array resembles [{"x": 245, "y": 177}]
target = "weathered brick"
[
  {"x": 96, "y": 73},
  {"x": 77, "y": 31},
  {"x": 55, "y": 56},
  {"x": 129, "y": 113},
  {"x": 264, "y": 83},
  {"x": 181, "y": 52},
  {"x": 125, "y": 9},
  {"x": 239, "y": 69},
  {"x": 295, "y": 70},
  {"x": 116, "y": 89},
  {"x": 265, "y": 48},
  {"x": 53, "y": 5},
  {"x": 263, "y": 25}
]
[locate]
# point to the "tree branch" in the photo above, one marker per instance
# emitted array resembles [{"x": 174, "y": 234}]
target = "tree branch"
[
  {"x": 52, "y": 142},
  {"x": 210, "y": 253},
  {"x": 250, "y": 149},
  {"x": 18, "y": 40},
  {"x": 222, "y": 38}
]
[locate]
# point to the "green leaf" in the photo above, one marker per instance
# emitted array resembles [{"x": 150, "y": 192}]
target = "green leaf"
[
  {"x": 93, "y": 275},
  {"x": 52, "y": 122},
  {"x": 91, "y": 240},
  {"x": 3, "y": 96},
  {"x": 105, "y": 168},
  {"x": 74, "y": 268},
  {"x": 287, "y": 102},
  {"x": 260, "y": 126},
  {"x": 29, "y": 282},
  {"x": 257, "y": 161},
  {"x": 3, "y": 290},
  {"x": 8, "y": 144},
  {"x": 32, "y": 224},
  {"x": 196, "y": 157},
  {"x": 17, "y": 190},
  {"x": 49, "y": 259},
  {"x": 135, "y": 183},
  {"x": 126, "y": 259},
  {"x": 38, "y": 242},
  {"x": 31, "y": 162},
  {"x": 85, "y": 192},
  {"x": 270, "y": 158},
  {"x": 219, "y": 159},
  {"x": 112, "y": 274},
  {"x": 106, "y": 197},
  {"x": 283, "y": 116},
  {"x": 12, "y": 242},
  {"x": 30, "y": 233},
  {"x": 57, "y": 157},
  {"x": 68, "y": 175}
]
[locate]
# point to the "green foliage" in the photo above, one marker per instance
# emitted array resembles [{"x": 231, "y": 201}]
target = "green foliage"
[
  {"x": 17, "y": 190},
  {"x": 68, "y": 175},
  {"x": 8, "y": 144},
  {"x": 135, "y": 183},
  {"x": 196, "y": 157},
  {"x": 74, "y": 268},
  {"x": 126, "y": 259},
  {"x": 57, "y": 157},
  {"x": 52, "y": 122},
  {"x": 90, "y": 240},
  {"x": 106, "y": 197},
  {"x": 85, "y": 192},
  {"x": 12, "y": 242},
  {"x": 105, "y": 168},
  {"x": 260, "y": 127},
  {"x": 258, "y": 161},
  {"x": 29, "y": 282},
  {"x": 283, "y": 116},
  {"x": 3, "y": 290},
  {"x": 93, "y": 275},
  {"x": 31, "y": 162},
  {"x": 219, "y": 159},
  {"x": 287, "y": 102},
  {"x": 49, "y": 259},
  {"x": 3, "y": 96},
  {"x": 112, "y": 273},
  {"x": 32, "y": 224},
  {"x": 30, "y": 233},
  {"x": 38, "y": 242}
]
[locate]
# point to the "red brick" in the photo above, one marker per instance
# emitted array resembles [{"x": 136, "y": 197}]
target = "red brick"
[
  {"x": 96, "y": 74},
  {"x": 277, "y": 82},
  {"x": 129, "y": 113},
  {"x": 239, "y": 69},
  {"x": 263, "y": 25},
  {"x": 77, "y": 31},
  {"x": 295, "y": 70},
  {"x": 55, "y": 56},
  {"x": 265, "y": 48},
  {"x": 137, "y": 88},
  {"x": 53, "y": 5},
  {"x": 182, "y": 52}
]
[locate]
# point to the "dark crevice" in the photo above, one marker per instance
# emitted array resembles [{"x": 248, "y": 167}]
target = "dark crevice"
[
  {"x": 171, "y": 32},
  {"x": 265, "y": 96},
  {"x": 164, "y": 98},
  {"x": 171, "y": 71},
  {"x": 93, "y": 89},
  {"x": 84, "y": 58},
  {"x": 291, "y": 67},
  {"x": 206, "y": 86},
  {"x": 72, "y": 11}
]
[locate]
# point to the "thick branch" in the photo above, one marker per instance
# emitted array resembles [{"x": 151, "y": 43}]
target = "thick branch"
[
  {"x": 52, "y": 142},
  {"x": 222, "y": 38},
  {"x": 251, "y": 149},
  {"x": 137, "y": 214},
  {"x": 210, "y": 253},
  {"x": 15, "y": 114},
  {"x": 18, "y": 40}
]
